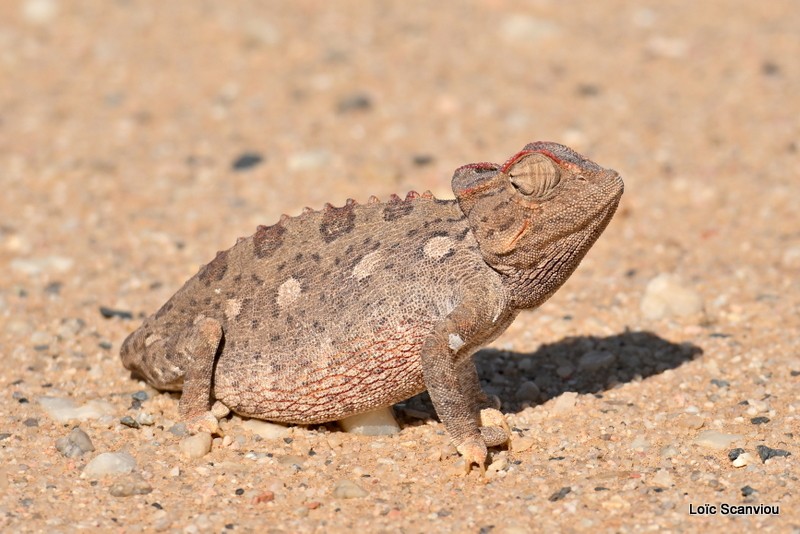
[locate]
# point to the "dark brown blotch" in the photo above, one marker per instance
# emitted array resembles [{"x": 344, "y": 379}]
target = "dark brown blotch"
[
  {"x": 268, "y": 239},
  {"x": 337, "y": 222},
  {"x": 164, "y": 309},
  {"x": 215, "y": 269},
  {"x": 392, "y": 212}
]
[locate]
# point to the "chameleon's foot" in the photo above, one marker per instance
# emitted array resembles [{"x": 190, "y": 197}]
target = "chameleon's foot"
[
  {"x": 494, "y": 428},
  {"x": 205, "y": 422},
  {"x": 474, "y": 452}
]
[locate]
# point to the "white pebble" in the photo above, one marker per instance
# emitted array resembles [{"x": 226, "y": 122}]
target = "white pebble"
[
  {"x": 379, "y": 422},
  {"x": 667, "y": 295},
  {"x": 639, "y": 443},
  {"x": 265, "y": 429},
  {"x": 196, "y": 446},
  {"x": 346, "y": 489},
  {"x": 662, "y": 478},
  {"x": 565, "y": 402},
  {"x": 711, "y": 439},
  {"x": 743, "y": 460},
  {"x": 63, "y": 410},
  {"x": 46, "y": 265},
  {"x": 110, "y": 463}
]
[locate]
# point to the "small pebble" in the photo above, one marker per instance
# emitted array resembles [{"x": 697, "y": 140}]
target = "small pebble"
[
  {"x": 711, "y": 439},
  {"x": 743, "y": 460},
  {"x": 308, "y": 160},
  {"x": 31, "y": 422},
  {"x": 565, "y": 403},
  {"x": 380, "y": 422},
  {"x": 734, "y": 453},
  {"x": 141, "y": 396},
  {"x": 528, "y": 391},
  {"x": 662, "y": 478},
  {"x": 130, "y": 485},
  {"x": 108, "y": 313},
  {"x": 596, "y": 360},
  {"x": 129, "y": 422},
  {"x": 346, "y": 489},
  {"x": 110, "y": 463},
  {"x": 747, "y": 491},
  {"x": 667, "y": 295},
  {"x": 75, "y": 444},
  {"x": 63, "y": 410},
  {"x": 145, "y": 419},
  {"x": 759, "y": 420},
  {"x": 266, "y": 496},
  {"x": 354, "y": 102},
  {"x": 522, "y": 444},
  {"x": 420, "y": 160},
  {"x": 765, "y": 453},
  {"x": 560, "y": 494},
  {"x": 196, "y": 446},
  {"x": 246, "y": 160},
  {"x": 720, "y": 383},
  {"x": 179, "y": 430},
  {"x": 265, "y": 429}
]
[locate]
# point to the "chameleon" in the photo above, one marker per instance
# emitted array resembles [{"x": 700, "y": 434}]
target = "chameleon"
[{"x": 344, "y": 310}]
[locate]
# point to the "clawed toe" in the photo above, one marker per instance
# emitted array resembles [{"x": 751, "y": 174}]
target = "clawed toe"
[
  {"x": 205, "y": 422},
  {"x": 474, "y": 452}
]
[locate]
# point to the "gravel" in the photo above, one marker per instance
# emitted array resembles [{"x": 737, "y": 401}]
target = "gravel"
[
  {"x": 110, "y": 463},
  {"x": 375, "y": 423},
  {"x": 75, "y": 444},
  {"x": 196, "y": 446}
]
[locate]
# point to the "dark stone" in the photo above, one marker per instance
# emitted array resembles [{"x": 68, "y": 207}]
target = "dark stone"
[
  {"x": 768, "y": 452},
  {"x": 129, "y": 422},
  {"x": 247, "y": 160},
  {"x": 759, "y": 420},
  {"x": 421, "y": 160},
  {"x": 720, "y": 383},
  {"x": 108, "y": 313},
  {"x": 140, "y": 395},
  {"x": 747, "y": 491},
  {"x": 354, "y": 102},
  {"x": 560, "y": 494},
  {"x": 735, "y": 453}
]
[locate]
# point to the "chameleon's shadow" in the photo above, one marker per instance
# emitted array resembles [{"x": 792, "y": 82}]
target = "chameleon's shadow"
[{"x": 583, "y": 364}]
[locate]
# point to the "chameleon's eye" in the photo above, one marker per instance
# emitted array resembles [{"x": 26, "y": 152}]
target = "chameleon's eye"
[{"x": 534, "y": 175}]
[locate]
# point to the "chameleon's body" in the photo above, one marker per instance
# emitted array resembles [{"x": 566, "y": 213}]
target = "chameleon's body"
[{"x": 344, "y": 310}]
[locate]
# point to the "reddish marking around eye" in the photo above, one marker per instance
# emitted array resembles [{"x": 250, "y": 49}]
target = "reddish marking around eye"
[
  {"x": 482, "y": 166},
  {"x": 521, "y": 154}
]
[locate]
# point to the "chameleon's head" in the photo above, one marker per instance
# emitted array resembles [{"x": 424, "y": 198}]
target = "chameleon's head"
[{"x": 537, "y": 215}]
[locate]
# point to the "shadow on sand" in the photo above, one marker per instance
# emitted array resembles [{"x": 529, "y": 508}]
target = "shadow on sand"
[{"x": 583, "y": 364}]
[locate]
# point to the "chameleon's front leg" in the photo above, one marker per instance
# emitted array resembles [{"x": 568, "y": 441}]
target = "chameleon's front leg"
[{"x": 451, "y": 380}]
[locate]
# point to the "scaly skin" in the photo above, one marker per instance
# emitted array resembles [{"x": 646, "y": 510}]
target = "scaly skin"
[{"x": 345, "y": 310}]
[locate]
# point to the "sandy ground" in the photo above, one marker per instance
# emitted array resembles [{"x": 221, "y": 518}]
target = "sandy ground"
[{"x": 675, "y": 343}]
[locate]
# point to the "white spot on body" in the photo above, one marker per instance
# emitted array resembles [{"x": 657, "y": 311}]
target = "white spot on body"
[
  {"x": 288, "y": 292},
  {"x": 367, "y": 264},
  {"x": 232, "y": 308},
  {"x": 438, "y": 246},
  {"x": 455, "y": 342},
  {"x": 152, "y": 338}
]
